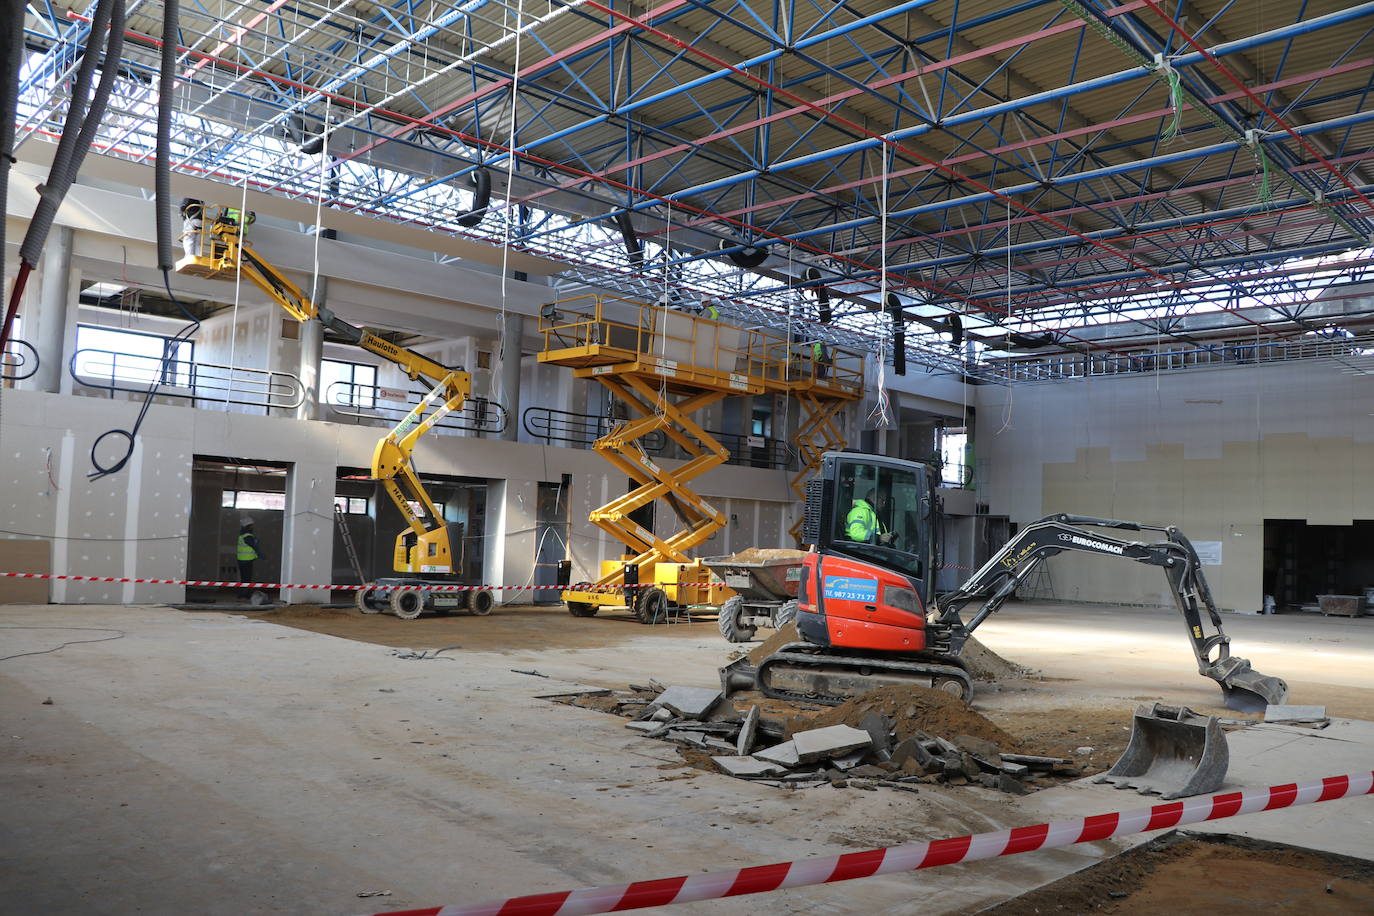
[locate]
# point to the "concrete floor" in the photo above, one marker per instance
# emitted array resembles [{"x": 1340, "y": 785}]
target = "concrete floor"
[{"x": 215, "y": 763}]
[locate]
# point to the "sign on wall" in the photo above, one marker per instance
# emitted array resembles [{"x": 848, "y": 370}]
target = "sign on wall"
[{"x": 1209, "y": 552}]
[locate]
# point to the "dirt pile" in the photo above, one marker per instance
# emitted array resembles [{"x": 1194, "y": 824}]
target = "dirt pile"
[
  {"x": 1206, "y": 875},
  {"x": 781, "y": 637},
  {"x": 986, "y": 665},
  {"x": 912, "y": 710}
]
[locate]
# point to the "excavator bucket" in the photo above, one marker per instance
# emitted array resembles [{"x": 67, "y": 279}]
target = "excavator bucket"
[
  {"x": 1243, "y": 688},
  {"x": 1173, "y": 752}
]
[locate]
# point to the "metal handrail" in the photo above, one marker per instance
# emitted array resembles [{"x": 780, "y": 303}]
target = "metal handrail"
[
  {"x": 580, "y": 429},
  {"x": 690, "y": 343},
  {"x": 13, "y": 361},
  {"x": 186, "y": 379},
  {"x": 583, "y": 429},
  {"x": 1046, "y": 368},
  {"x": 373, "y": 402}
]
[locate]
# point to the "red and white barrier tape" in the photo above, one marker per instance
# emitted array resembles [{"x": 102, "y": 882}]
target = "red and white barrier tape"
[
  {"x": 345, "y": 588},
  {"x": 805, "y": 872}
]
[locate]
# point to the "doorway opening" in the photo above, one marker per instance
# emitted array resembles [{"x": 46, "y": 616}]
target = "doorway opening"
[{"x": 1302, "y": 561}]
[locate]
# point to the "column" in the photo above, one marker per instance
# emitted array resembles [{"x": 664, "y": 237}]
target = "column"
[
  {"x": 311, "y": 352},
  {"x": 46, "y": 326},
  {"x": 307, "y": 547},
  {"x": 508, "y": 381}
]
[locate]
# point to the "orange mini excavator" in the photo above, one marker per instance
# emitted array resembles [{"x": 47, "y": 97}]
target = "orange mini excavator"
[{"x": 868, "y": 616}]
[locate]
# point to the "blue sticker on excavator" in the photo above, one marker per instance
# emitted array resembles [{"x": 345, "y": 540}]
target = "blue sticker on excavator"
[{"x": 846, "y": 589}]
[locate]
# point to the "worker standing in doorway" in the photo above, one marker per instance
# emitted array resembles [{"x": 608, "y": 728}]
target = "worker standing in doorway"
[{"x": 246, "y": 550}]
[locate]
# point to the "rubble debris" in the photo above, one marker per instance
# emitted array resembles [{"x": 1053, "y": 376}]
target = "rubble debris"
[
  {"x": 785, "y": 754},
  {"x": 747, "y": 767},
  {"x": 817, "y": 744},
  {"x": 689, "y": 702},
  {"x": 897, "y": 737},
  {"x": 745, "y": 742}
]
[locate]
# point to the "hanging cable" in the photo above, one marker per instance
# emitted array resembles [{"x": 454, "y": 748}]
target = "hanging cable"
[
  {"x": 166, "y": 254},
  {"x": 498, "y": 388},
  {"x": 78, "y": 132}
]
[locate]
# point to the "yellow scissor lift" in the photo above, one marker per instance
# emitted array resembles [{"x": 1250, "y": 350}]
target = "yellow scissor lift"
[{"x": 664, "y": 366}]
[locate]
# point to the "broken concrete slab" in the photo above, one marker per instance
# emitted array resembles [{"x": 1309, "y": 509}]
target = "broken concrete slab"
[
  {"x": 879, "y": 728},
  {"x": 662, "y": 715},
  {"x": 1294, "y": 713},
  {"x": 978, "y": 747},
  {"x": 832, "y": 741},
  {"x": 849, "y": 761},
  {"x": 745, "y": 742},
  {"x": 643, "y": 726},
  {"x": 688, "y": 702},
  {"x": 785, "y": 754},
  {"x": 747, "y": 767}
]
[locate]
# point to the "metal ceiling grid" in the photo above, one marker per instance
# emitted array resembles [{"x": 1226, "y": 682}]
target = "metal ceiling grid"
[{"x": 1083, "y": 176}]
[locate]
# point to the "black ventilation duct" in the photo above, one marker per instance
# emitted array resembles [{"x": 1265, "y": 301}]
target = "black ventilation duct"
[
  {"x": 748, "y": 257},
  {"x": 633, "y": 246},
  {"x": 894, "y": 311},
  {"x": 481, "y": 198},
  {"x": 956, "y": 332},
  {"x": 811, "y": 275},
  {"x": 1026, "y": 342}
]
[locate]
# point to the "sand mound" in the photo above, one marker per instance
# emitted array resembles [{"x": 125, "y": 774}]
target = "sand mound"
[
  {"x": 765, "y": 554},
  {"x": 914, "y": 709},
  {"x": 986, "y": 665}
]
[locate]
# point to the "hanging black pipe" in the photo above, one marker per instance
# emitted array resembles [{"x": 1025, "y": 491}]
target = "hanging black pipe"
[
  {"x": 633, "y": 246},
  {"x": 747, "y": 258},
  {"x": 811, "y": 275},
  {"x": 481, "y": 198},
  {"x": 894, "y": 311}
]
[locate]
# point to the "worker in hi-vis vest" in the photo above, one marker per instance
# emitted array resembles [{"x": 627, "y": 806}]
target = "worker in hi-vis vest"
[
  {"x": 862, "y": 524},
  {"x": 246, "y": 550}
]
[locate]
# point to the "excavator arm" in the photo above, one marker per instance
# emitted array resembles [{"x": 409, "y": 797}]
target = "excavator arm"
[
  {"x": 214, "y": 247},
  {"x": 1242, "y": 687}
]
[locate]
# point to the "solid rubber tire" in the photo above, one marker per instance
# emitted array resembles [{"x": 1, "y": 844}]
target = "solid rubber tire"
[
  {"x": 407, "y": 603},
  {"x": 360, "y": 599},
  {"x": 786, "y": 614},
  {"x": 652, "y": 606},
  {"x": 728, "y": 621},
  {"x": 582, "y": 608},
  {"x": 481, "y": 603}
]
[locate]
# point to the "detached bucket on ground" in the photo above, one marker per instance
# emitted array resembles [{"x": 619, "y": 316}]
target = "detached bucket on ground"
[{"x": 1173, "y": 752}]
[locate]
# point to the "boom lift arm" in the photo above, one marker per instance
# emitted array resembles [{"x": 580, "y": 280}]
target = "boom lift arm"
[
  {"x": 1242, "y": 687},
  {"x": 214, "y": 247}
]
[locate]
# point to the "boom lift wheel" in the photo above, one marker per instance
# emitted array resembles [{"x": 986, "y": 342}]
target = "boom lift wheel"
[
  {"x": 582, "y": 608},
  {"x": 360, "y": 598},
  {"x": 729, "y": 623},
  {"x": 407, "y": 603},
  {"x": 481, "y": 603},
  {"x": 653, "y": 606}
]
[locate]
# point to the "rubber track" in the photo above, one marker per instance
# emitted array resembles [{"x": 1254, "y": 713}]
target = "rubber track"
[{"x": 812, "y": 659}]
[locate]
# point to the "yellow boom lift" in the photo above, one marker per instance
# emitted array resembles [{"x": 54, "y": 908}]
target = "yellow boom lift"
[
  {"x": 214, "y": 247},
  {"x": 665, "y": 365}
]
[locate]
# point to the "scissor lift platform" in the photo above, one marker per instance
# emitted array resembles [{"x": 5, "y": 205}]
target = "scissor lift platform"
[{"x": 666, "y": 365}]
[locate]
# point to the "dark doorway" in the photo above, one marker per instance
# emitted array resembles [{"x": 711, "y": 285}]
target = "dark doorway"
[
  {"x": 224, "y": 493},
  {"x": 1302, "y": 561},
  {"x": 551, "y": 538},
  {"x": 373, "y": 522}
]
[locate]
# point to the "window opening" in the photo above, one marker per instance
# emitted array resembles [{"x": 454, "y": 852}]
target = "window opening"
[{"x": 133, "y": 356}]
